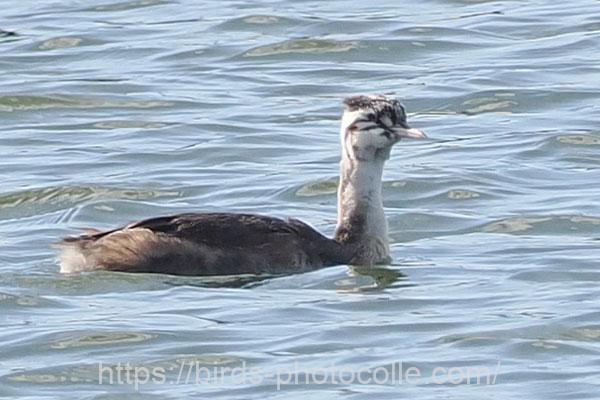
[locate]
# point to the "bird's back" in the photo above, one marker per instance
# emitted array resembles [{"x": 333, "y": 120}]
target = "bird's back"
[{"x": 203, "y": 244}]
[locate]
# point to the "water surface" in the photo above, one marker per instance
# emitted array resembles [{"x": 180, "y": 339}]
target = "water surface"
[{"x": 118, "y": 110}]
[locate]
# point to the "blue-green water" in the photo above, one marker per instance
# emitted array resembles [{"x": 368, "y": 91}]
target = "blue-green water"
[{"x": 115, "y": 111}]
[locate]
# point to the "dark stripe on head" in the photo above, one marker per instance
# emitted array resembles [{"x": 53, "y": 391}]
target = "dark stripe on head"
[{"x": 376, "y": 107}]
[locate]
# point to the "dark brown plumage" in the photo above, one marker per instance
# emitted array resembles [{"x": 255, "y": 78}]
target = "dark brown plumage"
[
  {"x": 228, "y": 244},
  {"x": 208, "y": 244}
]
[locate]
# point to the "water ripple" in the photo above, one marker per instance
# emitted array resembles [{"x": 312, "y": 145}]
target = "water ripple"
[
  {"x": 301, "y": 46},
  {"x": 120, "y": 110},
  {"x": 28, "y": 103}
]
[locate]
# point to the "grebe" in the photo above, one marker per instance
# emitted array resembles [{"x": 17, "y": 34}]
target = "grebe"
[{"x": 231, "y": 244}]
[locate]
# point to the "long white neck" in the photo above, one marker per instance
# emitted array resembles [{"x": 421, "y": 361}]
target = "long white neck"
[{"x": 361, "y": 222}]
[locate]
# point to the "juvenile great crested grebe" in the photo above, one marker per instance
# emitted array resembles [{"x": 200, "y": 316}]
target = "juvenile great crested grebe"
[{"x": 229, "y": 244}]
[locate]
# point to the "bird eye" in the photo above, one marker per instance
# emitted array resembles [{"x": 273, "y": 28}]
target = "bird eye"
[
  {"x": 387, "y": 121},
  {"x": 401, "y": 113},
  {"x": 387, "y": 134}
]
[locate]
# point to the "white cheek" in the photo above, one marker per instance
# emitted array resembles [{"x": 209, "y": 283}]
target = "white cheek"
[
  {"x": 348, "y": 118},
  {"x": 372, "y": 138}
]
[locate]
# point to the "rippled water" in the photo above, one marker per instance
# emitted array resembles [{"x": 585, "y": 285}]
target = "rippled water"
[{"x": 119, "y": 110}]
